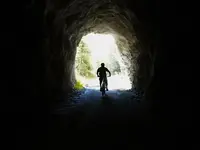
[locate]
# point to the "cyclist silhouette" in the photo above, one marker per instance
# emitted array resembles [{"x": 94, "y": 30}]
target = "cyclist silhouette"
[{"x": 101, "y": 73}]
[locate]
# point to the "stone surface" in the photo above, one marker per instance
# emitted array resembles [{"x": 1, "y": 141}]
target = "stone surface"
[
  {"x": 37, "y": 56},
  {"x": 78, "y": 18}
]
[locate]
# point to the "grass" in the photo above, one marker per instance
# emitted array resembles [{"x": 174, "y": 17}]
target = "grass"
[{"x": 78, "y": 85}]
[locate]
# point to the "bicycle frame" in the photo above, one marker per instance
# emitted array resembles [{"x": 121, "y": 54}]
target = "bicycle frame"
[{"x": 103, "y": 86}]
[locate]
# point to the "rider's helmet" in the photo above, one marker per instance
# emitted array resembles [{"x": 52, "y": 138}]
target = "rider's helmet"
[{"x": 102, "y": 64}]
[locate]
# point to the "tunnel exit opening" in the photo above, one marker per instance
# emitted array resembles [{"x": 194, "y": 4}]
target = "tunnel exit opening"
[{"x": 94, "y": 49}]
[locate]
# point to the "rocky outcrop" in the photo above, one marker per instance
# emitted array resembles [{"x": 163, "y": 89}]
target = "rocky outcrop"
[
  {"x": 38, "y": 51},
  {"x": 70, "y": 21},
  {"x": 139, "y": 27}
]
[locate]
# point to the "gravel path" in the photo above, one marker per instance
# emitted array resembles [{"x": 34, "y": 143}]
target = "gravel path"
[
  {"x": 89, "y": 106},
  {"x": 89, "y": 115}
]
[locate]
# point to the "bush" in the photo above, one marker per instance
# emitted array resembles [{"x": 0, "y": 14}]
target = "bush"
[{"x": 78, "y": 85}]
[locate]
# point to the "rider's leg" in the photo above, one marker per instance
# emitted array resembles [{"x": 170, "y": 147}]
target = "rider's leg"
[
  {"x": 100, "y": 81},
  {"x": 106, "y": 82}
]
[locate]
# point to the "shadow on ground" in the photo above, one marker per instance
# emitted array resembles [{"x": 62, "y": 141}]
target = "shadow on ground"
[{"x": 106, "y": 100}]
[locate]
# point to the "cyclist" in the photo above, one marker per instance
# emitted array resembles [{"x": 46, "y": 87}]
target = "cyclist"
[{"x": 101, "y": 73}]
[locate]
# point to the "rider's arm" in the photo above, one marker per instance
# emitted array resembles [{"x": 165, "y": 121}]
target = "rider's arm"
[
  {"x": 97, "y": 72},
  {"x": 108, "y": 71}
]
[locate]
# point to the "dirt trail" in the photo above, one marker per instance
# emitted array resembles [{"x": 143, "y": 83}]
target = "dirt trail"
[{"x": 92, "y": 116}]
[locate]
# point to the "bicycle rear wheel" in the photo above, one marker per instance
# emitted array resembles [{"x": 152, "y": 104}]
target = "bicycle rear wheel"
[{"x": 103, "y": 91}]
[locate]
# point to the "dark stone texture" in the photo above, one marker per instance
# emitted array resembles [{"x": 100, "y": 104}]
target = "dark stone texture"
[{"x": 39, "y": 52}]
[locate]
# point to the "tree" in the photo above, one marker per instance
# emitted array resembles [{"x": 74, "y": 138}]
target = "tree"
[
  {"x": 114, "y": 65},
  {"x": 83, "y": 64}
]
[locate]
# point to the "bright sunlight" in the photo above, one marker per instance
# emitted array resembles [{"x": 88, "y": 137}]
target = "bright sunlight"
[{"x": 91, "y": 52}]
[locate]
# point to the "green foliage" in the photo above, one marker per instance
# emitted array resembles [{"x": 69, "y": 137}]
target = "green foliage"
[
  {"x": 83, "y": 64},
  {"x": 78, "y": 85},
  {"x": 90, "y": 75},
  {"x": 113, "y": 65},
  {"x": 116, "y": 67}
]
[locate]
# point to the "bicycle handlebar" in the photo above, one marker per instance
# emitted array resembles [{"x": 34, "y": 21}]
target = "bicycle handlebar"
[{"x": 106, "y": 76}]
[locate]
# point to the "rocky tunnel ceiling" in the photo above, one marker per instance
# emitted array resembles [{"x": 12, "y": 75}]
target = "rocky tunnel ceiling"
[
  {"x": 72, "y": 20},
  {"x": 39, "y": 47},
  {"x": 100, "y": 17}
]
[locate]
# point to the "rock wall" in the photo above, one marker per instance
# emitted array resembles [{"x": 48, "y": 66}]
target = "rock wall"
[
  {"x": 57, "y": 26},
  {"x": 78, "y": 18},
  {"x": 37, "y": 46}
]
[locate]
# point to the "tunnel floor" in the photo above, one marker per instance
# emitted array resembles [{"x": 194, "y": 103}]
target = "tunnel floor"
[{"x": 120, "y": 117}]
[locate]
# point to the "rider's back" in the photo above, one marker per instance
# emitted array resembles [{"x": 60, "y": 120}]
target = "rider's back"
[{"x": 102, "y": 71}]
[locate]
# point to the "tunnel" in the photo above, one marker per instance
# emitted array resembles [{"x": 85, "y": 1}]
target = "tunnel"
[
  {"x": 66, "y": 27},
  {"x": 45, "y": 39}
]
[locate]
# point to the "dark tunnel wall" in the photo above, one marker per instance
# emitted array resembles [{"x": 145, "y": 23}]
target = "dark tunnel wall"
[
  {"x": 57, "y": 48},
  {"x": 72, "y": 24},
  {"x": 31, "y": 79},
  {"x": 32, "y": 86}
]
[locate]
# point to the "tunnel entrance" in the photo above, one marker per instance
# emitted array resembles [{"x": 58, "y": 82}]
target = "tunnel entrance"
[
  {"x": 38, "y": 72},
  {"x": 94, "y": 49},
  {"x": 136, "y": 61}
]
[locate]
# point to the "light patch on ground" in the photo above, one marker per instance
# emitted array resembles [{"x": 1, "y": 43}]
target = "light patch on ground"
[{"x": 114, "y": 82}]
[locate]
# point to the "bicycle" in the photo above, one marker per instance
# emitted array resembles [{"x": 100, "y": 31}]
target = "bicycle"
[{"x": 103, "y": 87}]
